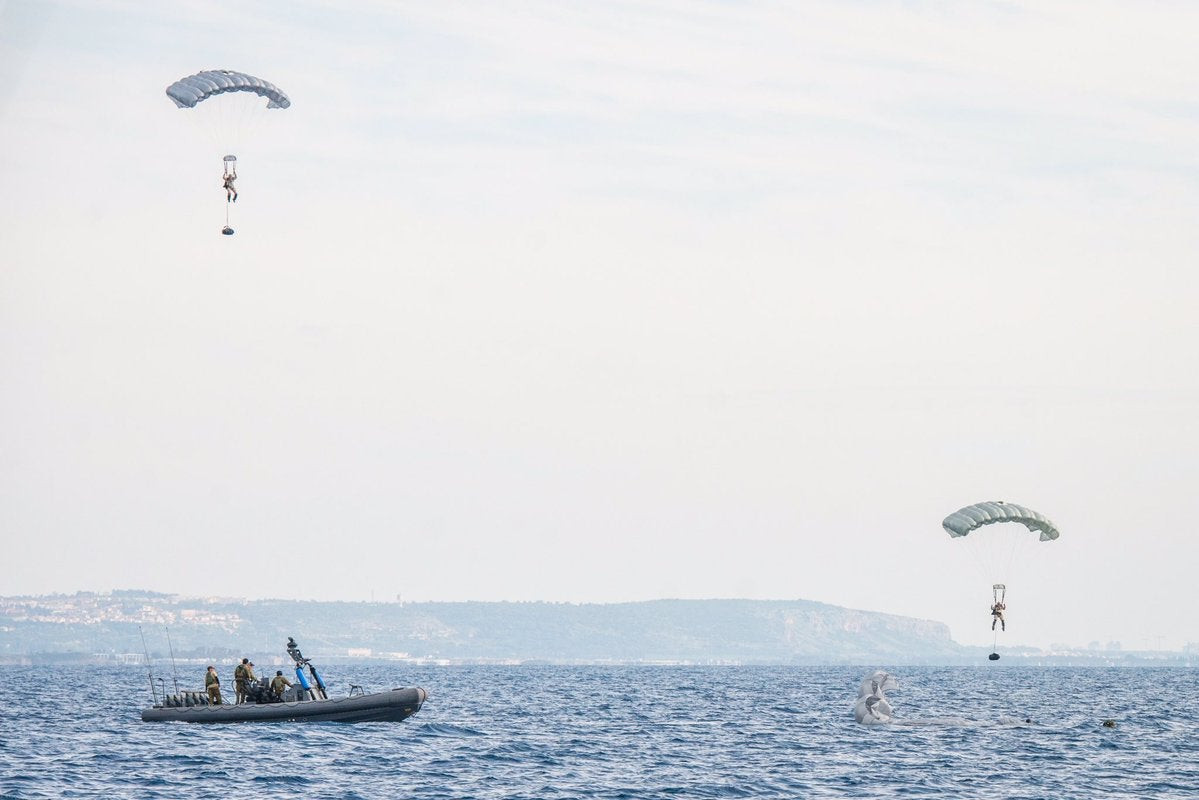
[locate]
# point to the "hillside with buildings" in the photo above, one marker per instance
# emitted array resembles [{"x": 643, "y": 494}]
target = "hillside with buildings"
[
  {"x": 746, "y": 631},
  {"x": 108, "y": 626}
]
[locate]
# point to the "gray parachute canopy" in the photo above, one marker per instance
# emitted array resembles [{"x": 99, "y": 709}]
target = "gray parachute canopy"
[
  {"x": 187, "y": 92},
  {"x": 872, "y": 707},
  {"x": 970, "y": 518}
]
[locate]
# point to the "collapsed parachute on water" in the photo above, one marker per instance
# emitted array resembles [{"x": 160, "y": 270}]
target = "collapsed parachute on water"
[
  {"x": 969, "y": 519},
  {"x": 872, "y": 707},
  {"x": 187, "y": 92}
]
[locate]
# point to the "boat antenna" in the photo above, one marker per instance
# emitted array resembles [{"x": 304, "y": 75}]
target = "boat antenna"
[
  {"x": 149, "y": 667},
  {"x": 174, "y": 671}
]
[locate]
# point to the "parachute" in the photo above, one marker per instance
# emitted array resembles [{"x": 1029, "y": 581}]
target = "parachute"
[
  {"x": 872, "y": 707},
  {"x": 229, "y": 105},
  {"x": 187, "y": 92},
  {"x": 971, "y": 518},
  {"x": 999, "y": 550}
]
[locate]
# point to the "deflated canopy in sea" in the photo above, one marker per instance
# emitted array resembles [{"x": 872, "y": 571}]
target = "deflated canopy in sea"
[{"x": 872, "y": 707}]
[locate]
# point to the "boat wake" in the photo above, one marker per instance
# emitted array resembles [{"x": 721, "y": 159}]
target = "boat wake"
[{"x": 443, "y": 729}]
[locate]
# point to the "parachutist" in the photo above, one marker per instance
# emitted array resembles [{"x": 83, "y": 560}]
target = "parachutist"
[
  {"x": 997, "y": 613},
  {"x": 222, "y": 92}
]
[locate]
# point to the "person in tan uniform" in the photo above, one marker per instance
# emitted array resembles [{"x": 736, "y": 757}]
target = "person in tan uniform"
[
  {"x": 279, "y": 683},
  {"x": 997, "y": 615},
  {"x": 212, "y": 685}
]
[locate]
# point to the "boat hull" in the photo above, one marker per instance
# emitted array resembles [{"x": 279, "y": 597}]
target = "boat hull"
[{"x": 393, "y": 706}]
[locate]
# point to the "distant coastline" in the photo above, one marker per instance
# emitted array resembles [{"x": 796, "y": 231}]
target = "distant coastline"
[{"x": 103, "y": 628}]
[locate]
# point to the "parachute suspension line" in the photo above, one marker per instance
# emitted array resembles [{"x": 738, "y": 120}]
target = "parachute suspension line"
[
  {"x": 1014, "y": 544},
  {"x": 248, "y": 113}
]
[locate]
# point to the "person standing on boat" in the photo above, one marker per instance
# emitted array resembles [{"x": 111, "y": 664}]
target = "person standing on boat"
[
  {"x": 242, "y": 675},
  {"x": 212, "y": 684},
  {"x": 279, "y": 683}
]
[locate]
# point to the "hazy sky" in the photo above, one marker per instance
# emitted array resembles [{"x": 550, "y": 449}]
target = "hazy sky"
[{"x": 602, "y": 302}]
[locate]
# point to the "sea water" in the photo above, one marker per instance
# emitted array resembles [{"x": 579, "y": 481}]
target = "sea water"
[{"x": 622, "y": 732}]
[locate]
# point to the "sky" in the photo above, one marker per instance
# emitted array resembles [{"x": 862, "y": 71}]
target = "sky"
[{"x": 607, "y": 302}]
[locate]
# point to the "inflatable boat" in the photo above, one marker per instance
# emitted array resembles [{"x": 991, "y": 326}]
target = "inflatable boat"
[
  {"x": 306, "y": 701},
  {"x": 390, "y": 706}
]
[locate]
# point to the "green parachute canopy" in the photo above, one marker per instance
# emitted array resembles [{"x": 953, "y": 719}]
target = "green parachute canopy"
[{"x": 971, "y": 518}]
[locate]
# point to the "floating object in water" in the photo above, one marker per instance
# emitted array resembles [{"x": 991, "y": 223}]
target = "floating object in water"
[
  {"x": 1109, "y": 723},
  {"x": 872, "y": 707}
]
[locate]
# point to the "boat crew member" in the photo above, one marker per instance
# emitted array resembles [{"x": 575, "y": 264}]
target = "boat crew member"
[
  {"x": 212, "y": 684},
  {"x": 279, "y": 683},
  {"x": 242, "y": 675}
]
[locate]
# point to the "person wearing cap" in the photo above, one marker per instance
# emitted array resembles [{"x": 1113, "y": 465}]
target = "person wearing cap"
[{"x": 279, "y": 683}]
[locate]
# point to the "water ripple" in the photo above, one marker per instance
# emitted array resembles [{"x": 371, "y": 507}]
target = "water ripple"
[{"x": 625, "y": 732}]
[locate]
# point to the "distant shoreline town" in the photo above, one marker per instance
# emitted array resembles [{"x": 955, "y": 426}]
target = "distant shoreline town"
[{"x": 108, "y": 628}]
